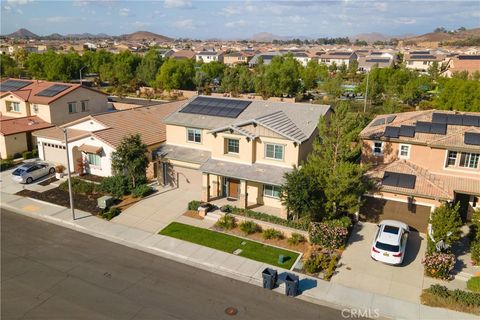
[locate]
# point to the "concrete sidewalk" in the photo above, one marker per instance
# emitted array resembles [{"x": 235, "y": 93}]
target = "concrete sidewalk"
[{"x": 229, "y": 265}]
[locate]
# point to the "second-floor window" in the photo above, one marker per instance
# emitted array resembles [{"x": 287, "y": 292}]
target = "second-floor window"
[
  {"x": 274, "y": 151},
  {"x": 451, "y": 158},
  {"x": 404, "y": 151},
  {"x": 233, "y": 146},
  {"x": 194, "y": 135},
  {"x": 378, "y": 148},
  {"x": 72, "y": 107},
  {"x": 84, "y": 105},
  {"x": 15, "y": 107},
  {"x": 469, "y": 160}
]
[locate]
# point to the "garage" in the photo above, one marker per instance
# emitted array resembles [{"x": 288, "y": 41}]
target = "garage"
[
  {"x": 54, "y": 153},
  {"x": 376, "y": 210},
  {"x": 181, "y": 177}
]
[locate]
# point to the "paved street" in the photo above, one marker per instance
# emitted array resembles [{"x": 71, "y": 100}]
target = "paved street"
[{"x": 50, "y": 272}]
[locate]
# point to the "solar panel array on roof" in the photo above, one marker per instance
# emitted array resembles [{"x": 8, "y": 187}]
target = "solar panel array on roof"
[
  {"x": 390, "y": 119},
  {"x": 438, "y": 128},
  {"x": 377, "y": 60},
  {"x": 469, "y": 120},
  {"x": 401, "y": 180},
  {"x": 423, "y": 127},
  {"x": 472, "y": 138},
  {"x": 407, "y": 131},
  {"x": 13, "y": 85},
  {"x": 341, "y": 53},
  {"x": 378, "y": 122},
  {"x": 391, "y": 132},
  {"x": 227, "y": 108},
  {"x": 422, "y": 56},
  {"x": 420, "y": 52},
  {"x": 456, "y": 119},
  {"x": 52, "y": 91},
  {"x": 469, "y": 57}
]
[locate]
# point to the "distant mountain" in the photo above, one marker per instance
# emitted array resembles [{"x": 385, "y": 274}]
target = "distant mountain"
[
  {"x": 377, "y": 36},
  {"x": 433, "y": 38},
  {"x": 267, "y": 37},
  {"x": 145, "y": 35},
  {"x": 87, "y": 36},
  {"x": 22, "y": 34}
]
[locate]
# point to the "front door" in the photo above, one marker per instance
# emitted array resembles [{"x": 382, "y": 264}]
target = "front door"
[
  {"x": 464, "y": 205},
  {"x": 233, "y": 186}
]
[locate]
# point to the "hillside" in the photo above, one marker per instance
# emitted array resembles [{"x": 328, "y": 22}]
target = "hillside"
[
  {"x": 433, "y": 38},
  {"x": 22, "y": 34},
  {"x": 267, "y": 37},
  {"x": 377, "y": 36},
  {"x": 145, "y": 35}
]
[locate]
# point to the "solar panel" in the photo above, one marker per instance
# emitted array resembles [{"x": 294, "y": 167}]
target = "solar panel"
[
  {"x": 13, "y": 85},
  {"x": 227, "y": 108},
  {"x": 438, "y": 128},
  {"x": 455, "y": 119},
  {"x": 390, "y": 118},
  {"x": 423, "y": 57},
  {"x": 391, "y": 132},
  {"x": 472, "y": 138},
  {"x": 378, "y": 122},
  {"x": 423, "y": 127},
  {"x": 469, "y": 120},
  {"x": 401, "y": 180},
  {"x": 407, "y": 131},
  {"x": 439, "y": 117},
  {"x": 52, "y": 91},
  {"x": 378, "y": 60},
  {"x": 469, "y": 57}
]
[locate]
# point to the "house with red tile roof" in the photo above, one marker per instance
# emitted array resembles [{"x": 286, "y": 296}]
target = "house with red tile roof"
[
  {"x": 53, "y": 102},
  {"x": 463, "y": 63},
  {"x": 418, "y": 160}
]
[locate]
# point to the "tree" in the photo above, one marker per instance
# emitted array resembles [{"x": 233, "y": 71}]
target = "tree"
[
  {"x": 446, "y": 223},
  {"x": 458, "y": 94},
  {"x": 148, "y": 67},
  {"x": 434, "y": 70},
  {"x": 130, "y": 158},
  {"x": 8, "y": 66},
  {"x": 333, "y": 86},
  {"x": 312, "y": 73},
  {"x": 176, "y": 74}
]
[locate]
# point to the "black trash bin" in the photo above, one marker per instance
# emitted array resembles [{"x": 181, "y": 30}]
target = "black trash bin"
[
  {"x": 270, "y": 277},
  {"x": 291, "y": 285}
]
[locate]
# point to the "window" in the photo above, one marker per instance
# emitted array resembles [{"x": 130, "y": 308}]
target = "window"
[
  {"x": 94, "y": 159},
  {"x": 274, "y": 151},
  {"x": 72, "y": 107},
  {"x": 378, "y": 148},
  {"x": 233, "y": 146},
  {"x": 194, "y": 135},
  {"x": 469, "y": 160},
  {"x": 35, "y": 108},
  {"x": 404, "y": 151},
  {"x": 15, "y": 107},
  {"x": 271, "y": 191},
  {"x": 84, "y": 105},
  {"x": 451, "y": 158}
]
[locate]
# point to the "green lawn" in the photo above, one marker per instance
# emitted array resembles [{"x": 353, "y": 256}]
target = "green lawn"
[{"x": 220, "y": 241}]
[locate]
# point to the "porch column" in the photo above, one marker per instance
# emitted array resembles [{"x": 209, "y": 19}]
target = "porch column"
[
  {"x": 215, "y": 190},
  {"x": 205, "y": 187},
  {"x": 243, "y": 197}
]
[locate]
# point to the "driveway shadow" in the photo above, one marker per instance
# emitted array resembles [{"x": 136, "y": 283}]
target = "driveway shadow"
[
  {"x": 355, "y": 236},
  {"x": 413, "y": 247},
  {"x": 460, "y": 249}
]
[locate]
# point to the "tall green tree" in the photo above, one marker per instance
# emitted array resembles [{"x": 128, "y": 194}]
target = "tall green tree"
[
  {"x": 313, "y": 73},
  {"x": 176, "y": 74},
  {"x": 148, "y": 68},
  {"x": 130, "y": 158},
  {"x": 8, "y": 66}
]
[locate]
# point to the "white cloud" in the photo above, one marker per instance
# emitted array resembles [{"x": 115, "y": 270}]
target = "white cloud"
[
  {"x": 7, "y": 8},
  {"x": 19, "y": 2},
  {"x": 296, "y": 19},
  {"x": 177, "y": 4},
  {"x": 141, "y": 24},
  {"x": 58, "y": 19},
  {"x": 405, "y": 20},
  {"x": 236, "y": 24},
  {"x": 380, "y": 6},
  {"x": 230, "y": 11},
  {"x": 184, "y": 24},
  {"x": 124, "y": 12},
  {"x": 19, "y": 11}
]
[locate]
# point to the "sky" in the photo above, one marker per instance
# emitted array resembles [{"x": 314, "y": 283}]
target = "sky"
[{"x": 237, "y": 19}]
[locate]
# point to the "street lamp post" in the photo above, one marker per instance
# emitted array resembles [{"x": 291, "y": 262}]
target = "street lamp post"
[
  {"x": 69, "y": 174},
  {"x": 81, "y": 74},
  {"x": 366, "y": 93}
]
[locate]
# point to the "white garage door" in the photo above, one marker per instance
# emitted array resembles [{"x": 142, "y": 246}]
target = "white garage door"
[
  {"x": 55, "y": 153},
  {"x": 187, "y": 177}
]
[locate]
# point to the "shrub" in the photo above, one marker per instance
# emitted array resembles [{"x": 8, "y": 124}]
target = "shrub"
[
  {"x": 439, "y": 265},
  {"x": 249, "y": 227},
  {"x": 79, "y": 186},
  {"x": 111, "y": 213},
  {"x": 141, "y": 191},
  {"x": 17, "y": 155},
  {"x": 316, "y": 263},
  {"x": 6, "y": 164},
  {"x": 35, "y": 153},
  {"x": 193, "y": 205},
  {"x": 272, "y": 234},
  {"x": 60, "y": 168},
  {"x": 332, "y": 265},
  {"x": 226, "y": 222},
  {"x": 446, "y": 224},
  {"x": 329, "y": 234},
  {"x": 465, "y": 297},
  {"x": 296, "y": 238},
  {"x": 475, "y": 252},
  {"x": 439, "y": 290},
  {"x": 440, "y": 296},
  {"x": 27, "y": 155},
  {"x": 116, "y": 186},
  {"x": 298, "y": 224},
  {"x": 227, "y": 208},
  {"x": 473, "y": 284}
]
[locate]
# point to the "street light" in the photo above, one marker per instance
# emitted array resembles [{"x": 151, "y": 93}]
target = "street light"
[
  {"x": 69, "y": 174},
  {"x": 81, "y": 74}
]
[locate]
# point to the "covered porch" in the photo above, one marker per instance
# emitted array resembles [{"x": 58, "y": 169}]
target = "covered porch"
[{"x": 223, "y": 201}]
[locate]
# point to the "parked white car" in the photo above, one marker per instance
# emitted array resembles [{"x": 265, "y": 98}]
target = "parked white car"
[
  {"x": 390, "y": 242},
  {"x": 31, "y": 171}
]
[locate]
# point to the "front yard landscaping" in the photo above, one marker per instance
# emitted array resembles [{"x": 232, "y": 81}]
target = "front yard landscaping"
[
  {"x": 227, "y": 243},
  {"x": 459, "y": 300}
]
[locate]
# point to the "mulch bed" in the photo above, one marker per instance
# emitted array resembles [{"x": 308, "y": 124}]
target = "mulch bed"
[
  {"x": 60, "y": 197},
  {"x": 193, "y": 214},
  {"x": 48, "y": 181},
  {"x": 91, "y": 177}
]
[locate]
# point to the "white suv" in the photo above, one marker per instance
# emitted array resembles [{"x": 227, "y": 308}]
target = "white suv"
[{"x": 390, "y": 242}]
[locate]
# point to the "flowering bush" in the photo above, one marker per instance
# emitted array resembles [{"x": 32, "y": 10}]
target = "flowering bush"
[
  {"x": 328, "y": 235},
  {"x": 439, "y": 265}
]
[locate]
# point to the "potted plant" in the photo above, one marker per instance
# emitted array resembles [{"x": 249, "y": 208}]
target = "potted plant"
[{"x": 59, "y": 171}]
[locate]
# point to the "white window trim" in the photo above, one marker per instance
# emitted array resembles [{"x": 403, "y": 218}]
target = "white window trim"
[
  {"x": 465, "y": 167},
  {"x": 92, "y": 164},
  {"x": 409, "y": 146},
  {"x": 12, "y": 103},
  {"x": 201, "y": 136},
  {"x": 381, "y": 148},
  {"x": 68, "y": 105},
  {"x": 230, "y": 152},
  {"x": 445, "y": 163},
  {"x": 274, "y": 144}
]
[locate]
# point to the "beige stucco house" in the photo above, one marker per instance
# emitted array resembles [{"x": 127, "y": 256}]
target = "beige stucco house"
[
  {"x": 237, "y": 151},
  {"x": 419, "y": 160}
]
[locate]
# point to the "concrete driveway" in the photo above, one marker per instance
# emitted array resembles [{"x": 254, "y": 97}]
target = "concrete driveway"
[
  {"x": 154, "y": 213},
  {"x": 358, "y": 270},
  {"x": 7, "y": 185}
]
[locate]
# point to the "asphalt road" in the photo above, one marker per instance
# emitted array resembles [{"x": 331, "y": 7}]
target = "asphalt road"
[{"x": 50, "y": 272}]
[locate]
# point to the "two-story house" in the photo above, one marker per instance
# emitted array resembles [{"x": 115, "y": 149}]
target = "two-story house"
[
  {"x": 422, "y": 60},
  {"x": 238, "y": 150},
  {"x": 209, "y": 56},
  {"x": 419, "y": 160},
  {"x": 236, "y": 57},
  {"x": 338, "y": 58}
]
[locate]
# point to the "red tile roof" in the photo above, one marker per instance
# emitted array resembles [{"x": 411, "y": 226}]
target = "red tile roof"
[{"x": 9, "y": 126}]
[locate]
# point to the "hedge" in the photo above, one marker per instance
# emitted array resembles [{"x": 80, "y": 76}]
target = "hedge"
[
  {"x": 79, "y": 186},
  {"x": 460, "y": 300},
  {"x": 6, "y": 164},
  {"x": 27, "y": 155}
]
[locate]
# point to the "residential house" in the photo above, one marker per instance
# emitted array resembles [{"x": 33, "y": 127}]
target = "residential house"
[
  {"x": 209, "y": 56},
  {"x": 16, "y": 134},
  {"x": 302, "y": 57},
  {"x": 237, "y": 151},
  {"x": 236, "y": 57},
  {"x": 422, "y": 60},
  {"x": 92, "y": 139},
  {"x": 463, "y": 63},
  {"x": 183, "y": 54},
  {"x": 377, "y": 59},
  {"x": 338, "y": 58},
  {"x": 53, "y": 102},
  {"x": 419, "y": 160},
  {"x": 266, "y": 57}
]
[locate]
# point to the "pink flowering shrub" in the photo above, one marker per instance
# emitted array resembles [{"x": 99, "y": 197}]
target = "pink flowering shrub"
[
  {"x": 328, "y": 235},
  {"x": 439, "y": 265}
]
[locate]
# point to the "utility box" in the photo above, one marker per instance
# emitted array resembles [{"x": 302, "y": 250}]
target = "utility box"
[{"x": 105, "y": 202}]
